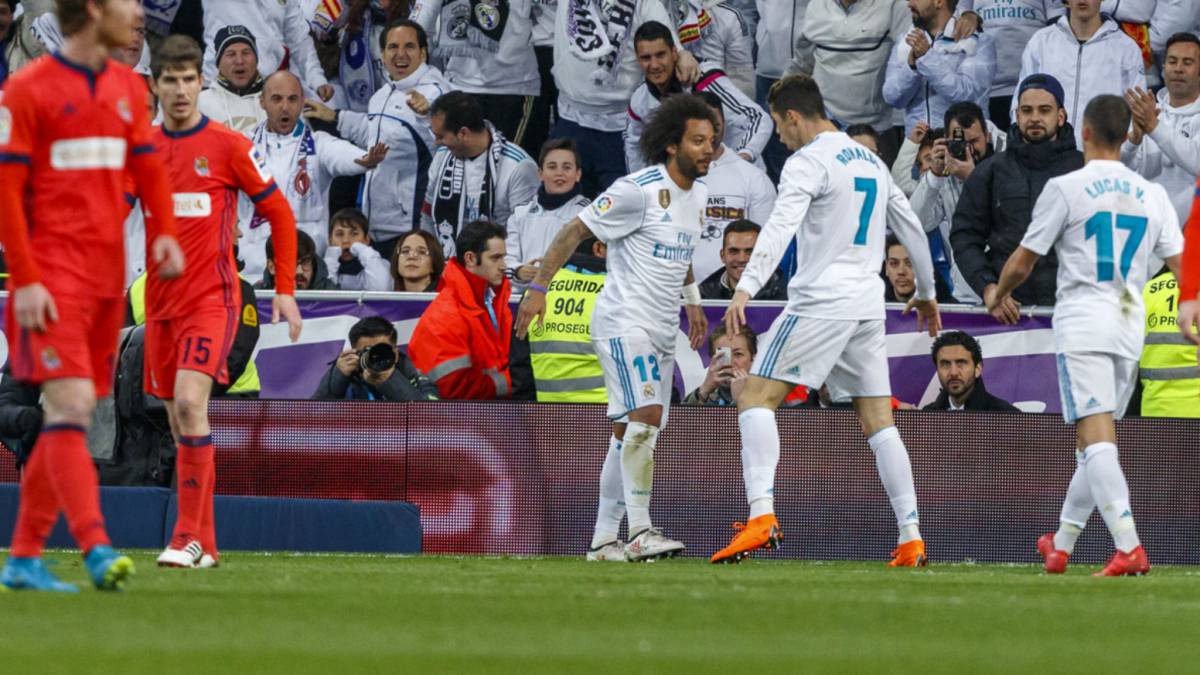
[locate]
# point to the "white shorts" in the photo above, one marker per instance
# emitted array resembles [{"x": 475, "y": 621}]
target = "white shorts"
[
  {"x": 636, "y": 374},
  {"x": 1091, "y": 383},
  {"x": 850, "y": 356}
]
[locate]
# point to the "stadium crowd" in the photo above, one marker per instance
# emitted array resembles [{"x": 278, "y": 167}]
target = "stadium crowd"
[{"x": 439, "y": 146}]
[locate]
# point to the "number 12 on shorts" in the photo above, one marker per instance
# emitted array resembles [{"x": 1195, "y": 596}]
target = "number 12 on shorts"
[{"x": 640, "y": 363}]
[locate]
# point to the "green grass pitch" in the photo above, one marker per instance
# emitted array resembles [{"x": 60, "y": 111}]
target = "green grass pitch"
[{"x": 376, "y": 614}]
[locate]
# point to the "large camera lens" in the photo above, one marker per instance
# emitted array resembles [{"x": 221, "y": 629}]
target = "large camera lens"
[{"x": 378, "y": 358}]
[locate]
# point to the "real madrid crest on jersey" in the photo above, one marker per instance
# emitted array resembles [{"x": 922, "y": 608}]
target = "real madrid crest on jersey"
[
  {"x": 201, "y": 165},
  {"x": 664, "y": 198}
]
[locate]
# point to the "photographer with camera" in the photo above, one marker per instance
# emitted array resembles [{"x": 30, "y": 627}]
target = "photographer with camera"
[
  {"x": 374, "y": 369},
  {"x": 968, "y": 140}
]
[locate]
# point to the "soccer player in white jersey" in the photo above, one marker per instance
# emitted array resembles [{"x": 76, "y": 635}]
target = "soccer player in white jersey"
[
  {"x": 651, "y": 221},
  {"x": 1109, "y": 226},
  {"x": 835, "y": 198}
]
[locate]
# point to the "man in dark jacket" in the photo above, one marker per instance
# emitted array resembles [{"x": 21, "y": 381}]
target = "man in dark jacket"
[
  {"x": 20, "y": 415},
  {"x": 959, "y": 362},
  {"x": 997, "y": 200},
  {"x": 736, "y": 247},
  {"x": 311, "y": 272},
  {"x": 369, "y": 372}
]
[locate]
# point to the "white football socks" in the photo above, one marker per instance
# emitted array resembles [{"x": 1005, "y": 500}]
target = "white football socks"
[
  {"x": 1076, "y": 509},
  {"x": 760, "y": 456},
  {"x": 1111, "y": 493},
  {"x": 895, "y": 471},
  {"x": 612, "y": 497},
  {"x": 637, "y": 473}
]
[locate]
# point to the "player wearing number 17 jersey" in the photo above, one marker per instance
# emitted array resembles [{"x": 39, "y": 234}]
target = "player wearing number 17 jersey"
[
  {"x": 191, "y": 322},
  {"x": 1108, "y": 226},
  {"x": 835, "y": 198}
]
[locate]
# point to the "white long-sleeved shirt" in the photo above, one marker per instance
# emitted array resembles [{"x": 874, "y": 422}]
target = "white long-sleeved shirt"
[
  {"x": 1109, "y": 62},
  {"x": 837, "y": 199},
  {"x": 737, "y": 189},
  {"x": 1011, "y": 23},
  {"x": 279, "y": 28},
  {"x": 748, "y": 127},
  {"x": 512, "y": 69},
  {"x": 779, "y": 22},
  {"x": 325, "y": 158},
  {"x": 846, "y": 49},
  {"x": 240, "y": 113},
  {"x": 1170, "y": 156},
  {"x": 581, "y": 99},
  {"x": 514, "y": 182},
  {"x": 532, "y": 227},
  {"x": 949, "y": 72},
  {"x": 376, "y": 274},
  {"x": 394, "y": 191}
]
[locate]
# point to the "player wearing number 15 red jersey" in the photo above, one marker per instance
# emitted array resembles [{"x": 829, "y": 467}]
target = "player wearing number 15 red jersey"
[
  {"x": 71, "y": 125},
  {"x": 191, "y": 321}
]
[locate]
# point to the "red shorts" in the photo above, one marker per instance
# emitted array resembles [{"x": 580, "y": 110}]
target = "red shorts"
[
  {"x": 82, "y": 343},
  {"x": 198, "y": 341}
]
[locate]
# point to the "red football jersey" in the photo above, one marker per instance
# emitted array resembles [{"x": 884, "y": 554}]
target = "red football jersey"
[
  {"x": 76, "y": 129},
  {"x": 208, "y": 166}
]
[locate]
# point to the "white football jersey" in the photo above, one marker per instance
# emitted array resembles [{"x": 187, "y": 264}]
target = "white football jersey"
[
  {"x": 835, "y": 198},
  {"x": 1108, "y": 226},
  {"x": 736, "y": 189},
  {"x": 651, "y": 227}
]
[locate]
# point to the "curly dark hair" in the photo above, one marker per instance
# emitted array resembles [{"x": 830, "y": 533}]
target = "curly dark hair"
[{"x": 667, "y": 125}]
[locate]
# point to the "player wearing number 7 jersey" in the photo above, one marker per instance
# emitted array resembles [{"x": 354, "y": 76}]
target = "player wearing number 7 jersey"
[
  {"x": 835, "y": 198},
  {"x": 1109, "y": 227}
]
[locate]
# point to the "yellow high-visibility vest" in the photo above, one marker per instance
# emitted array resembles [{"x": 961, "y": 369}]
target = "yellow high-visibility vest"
[
  {"x": 565, "y": 367},
  {"x": 248, "y": 382},
  {"x": 1168, "y": 370}
]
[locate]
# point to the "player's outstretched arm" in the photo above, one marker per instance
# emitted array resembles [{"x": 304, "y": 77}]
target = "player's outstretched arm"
[
  {"x": 1016, "y": 270},
  {"x": 1189, "y": 274},
  {"x": 533, "y": 304}
]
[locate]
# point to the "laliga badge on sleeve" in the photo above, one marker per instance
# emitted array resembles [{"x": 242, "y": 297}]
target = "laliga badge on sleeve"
[
  {"x": 664, "y": 198},
  {"x": 6, "y": 123}
]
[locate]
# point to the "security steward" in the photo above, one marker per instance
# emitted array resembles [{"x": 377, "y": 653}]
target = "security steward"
[
  {"x": 242, "y": 370},
  {"x": 565, "y": 368},
  {"x": 1168, "y": 370}
]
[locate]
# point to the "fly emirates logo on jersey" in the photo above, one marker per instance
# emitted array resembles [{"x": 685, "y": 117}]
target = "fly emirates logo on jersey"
[
  {"x": 192, "y": 204},
  {"x": 681, "y": 250},
  {"x": 96, "y": 152}
]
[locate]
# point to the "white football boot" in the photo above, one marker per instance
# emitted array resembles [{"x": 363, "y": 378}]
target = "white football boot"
[
  {"x": 613, "y": 551},
  {"x": 187, "y": 555},
  {"x": 650, "y": 544}
]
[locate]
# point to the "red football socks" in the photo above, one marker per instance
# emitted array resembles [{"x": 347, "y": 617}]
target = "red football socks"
[
  {"x": 192, "y": 471},
  {"x": 39, "y": 508},
  {"x": 74, "y": 481}
]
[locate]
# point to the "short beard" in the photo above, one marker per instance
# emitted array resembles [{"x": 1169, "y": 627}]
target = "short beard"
[
  {"x": 689, "y": 168},
  {"x": 1049, "y": 136}
]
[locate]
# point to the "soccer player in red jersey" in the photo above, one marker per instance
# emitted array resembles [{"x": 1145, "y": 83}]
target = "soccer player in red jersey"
[
  {"x": 71, "y": 123},
  {"x": 1189, "y": 274},
  {"x": 191, "y": 321}
]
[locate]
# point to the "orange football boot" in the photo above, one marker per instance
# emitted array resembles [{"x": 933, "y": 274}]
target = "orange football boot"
[
  {"x": 909, "y": 554},
  {"x": 1056, "y": 560},
  {"x": 1134, "y": 564},
  {"x": 760, "y": 532}
]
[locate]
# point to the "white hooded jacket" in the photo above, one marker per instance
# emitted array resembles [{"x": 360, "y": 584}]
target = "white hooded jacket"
[
  {"x": 1170, "y": 156},
  {"x": 394, "y": 191},
  {"x": 1110, "y": 62}
]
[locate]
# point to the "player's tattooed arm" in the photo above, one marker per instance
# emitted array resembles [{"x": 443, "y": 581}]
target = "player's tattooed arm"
[{"x": 533, "y": 304}]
